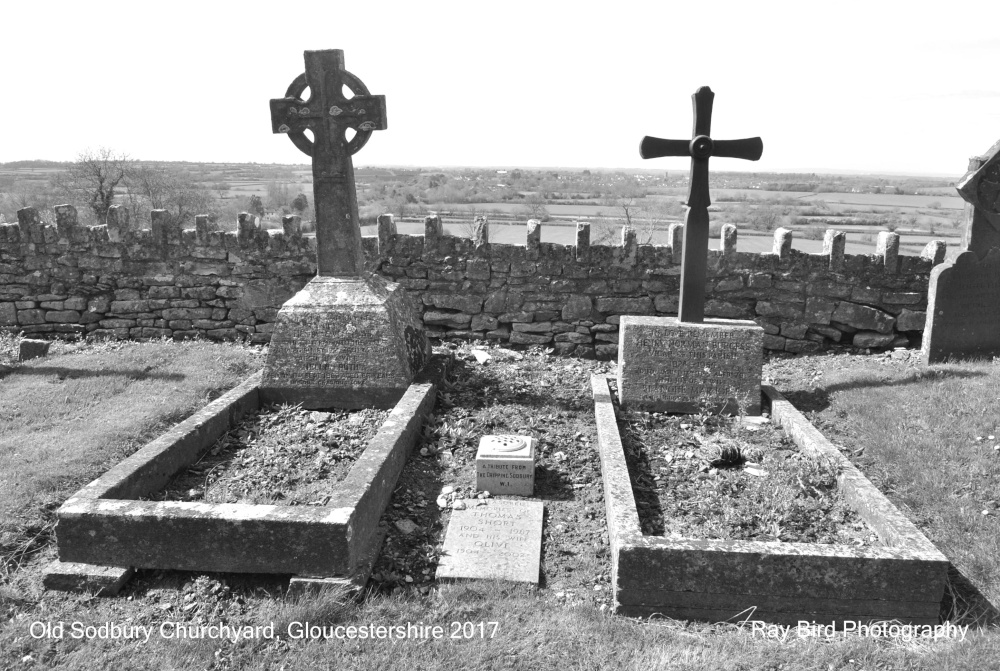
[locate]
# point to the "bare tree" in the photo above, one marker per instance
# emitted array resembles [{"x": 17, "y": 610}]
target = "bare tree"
[
  {"x": 162, "y": 188},
  {"x": 533, "y": 207},
  {"x": 626, "y": 197},
  {"x": 24, "y": 194},
  {"x": 95, "y": 179}
]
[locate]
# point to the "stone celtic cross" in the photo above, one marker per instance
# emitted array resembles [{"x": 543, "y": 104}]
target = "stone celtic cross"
[
  {"x": 328, "y": 113},
  {"x": 700, "y": 147}
]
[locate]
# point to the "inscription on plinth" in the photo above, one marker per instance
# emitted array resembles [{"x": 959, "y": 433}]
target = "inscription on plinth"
[
  {"x": 665, "y": 365},
  {"x": 506, "y": 465},
  {"x": 344, "y": 342},
  {"x": 963, "y": 309},
  {"x": 496, "y": 540}
]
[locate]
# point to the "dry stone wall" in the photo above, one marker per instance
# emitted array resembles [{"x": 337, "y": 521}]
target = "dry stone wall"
[
  {"x": 120, "y": 281},
  {"x": 571, "y": 297}
]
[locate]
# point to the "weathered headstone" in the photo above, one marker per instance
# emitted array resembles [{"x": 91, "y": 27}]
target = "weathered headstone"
[
  {"x": 348, "y": 339},
  {"x": 678, "y": 367},
  {"x": 963, "y": 309},
  {"x": 497, "y": 540},
  {"x": 963, "y": 297},
  {"x": 683, "y": 364},
  {"x": 506, "y": 465},
  {"x": 32, "y": 349}
]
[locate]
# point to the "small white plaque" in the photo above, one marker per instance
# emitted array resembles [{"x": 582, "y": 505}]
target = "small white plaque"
[{"x": 506, "y": 465}]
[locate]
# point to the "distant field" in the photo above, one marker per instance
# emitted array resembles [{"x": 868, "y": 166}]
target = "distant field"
[
  {"x": 952, "y": 202},
  {"x": 918, "y": 218}
]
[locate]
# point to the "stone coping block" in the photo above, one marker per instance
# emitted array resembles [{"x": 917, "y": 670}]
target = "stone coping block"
[
  {"x": 721, "y": 580},
  {"x": 104, "y": 523}
]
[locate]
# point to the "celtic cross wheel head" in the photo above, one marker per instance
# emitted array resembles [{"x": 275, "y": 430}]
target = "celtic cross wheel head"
[{"x": 363, "y": 129}]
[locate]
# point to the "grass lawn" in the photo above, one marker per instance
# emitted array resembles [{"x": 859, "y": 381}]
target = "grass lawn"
[
  {"x": 928, "y": 437},
  {"x": 68, "y": 417},
  {"x": 912, "y": 430}
]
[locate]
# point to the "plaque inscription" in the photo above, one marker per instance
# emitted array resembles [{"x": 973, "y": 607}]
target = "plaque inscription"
[
  {"x": 500, "y": 540},
  {"x": 670, "y": 366}
]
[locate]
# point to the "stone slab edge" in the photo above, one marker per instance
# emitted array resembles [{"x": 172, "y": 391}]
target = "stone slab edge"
[
  {"x": 619, "y": 501},
  {"x": 775, "y": 617},
  {"x": 354, "y": 582},
  {"x": 312, "y": 540},
  {"x": 88, "y": 578},
  {"x": 819, "y": 608},
  {"x": 748, "y": 571}
]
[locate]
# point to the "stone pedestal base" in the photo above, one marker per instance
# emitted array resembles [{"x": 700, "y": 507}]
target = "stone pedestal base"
[
  {"x": 665, "y": 365},
  {"x": 345, "y": 343}
]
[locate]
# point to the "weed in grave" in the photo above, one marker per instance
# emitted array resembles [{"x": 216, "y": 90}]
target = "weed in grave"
[{"x": 710, "y": 476}]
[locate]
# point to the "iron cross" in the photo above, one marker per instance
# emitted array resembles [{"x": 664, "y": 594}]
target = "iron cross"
[
  {"x": 328, "y": 114},
  {"x": 700, "y": 147}
]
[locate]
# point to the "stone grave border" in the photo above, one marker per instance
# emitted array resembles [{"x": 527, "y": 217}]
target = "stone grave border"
[
  {"x": 720, "y": 580},
  {"x": 105, "y": 525}
]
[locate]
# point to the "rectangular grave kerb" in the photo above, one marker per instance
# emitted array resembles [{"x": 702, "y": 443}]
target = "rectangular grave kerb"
[
  {"x": 106, "y": 524},
  {"x": 666, "y": 365},
  {"x": 903, "y": 579}
]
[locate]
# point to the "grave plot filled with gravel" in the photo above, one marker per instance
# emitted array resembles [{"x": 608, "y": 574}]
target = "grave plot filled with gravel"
[
  {"x": 282, "y": 455},
  {"x": 729, "y": 478}
]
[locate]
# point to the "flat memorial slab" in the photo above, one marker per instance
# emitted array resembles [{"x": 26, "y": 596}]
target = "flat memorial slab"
[
  {"x": 498, "y": 540},
  {"x": 346, "y": 343},
  {"x": 666, "y": 365}
]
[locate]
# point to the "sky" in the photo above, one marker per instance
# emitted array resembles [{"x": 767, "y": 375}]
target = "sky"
[{"x": 888, "y": 87}]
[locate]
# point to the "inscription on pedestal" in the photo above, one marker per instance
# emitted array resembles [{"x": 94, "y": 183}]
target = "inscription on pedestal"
[
  {"x": 500, "y": 540},
  {"x": 963, "y": 309},
  {"x": 665, "y": 365},
  {"x": 343, "y": 342},
  {"x": 506, "y": 465}
]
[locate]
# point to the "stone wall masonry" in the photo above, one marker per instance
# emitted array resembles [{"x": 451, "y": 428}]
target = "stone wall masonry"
[
  {"x": 119, "y": 280},
  {"x": 571, "y": 297}
]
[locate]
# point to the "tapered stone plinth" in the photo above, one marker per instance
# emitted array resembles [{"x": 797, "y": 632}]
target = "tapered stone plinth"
[{"x": 346, "y": 343}]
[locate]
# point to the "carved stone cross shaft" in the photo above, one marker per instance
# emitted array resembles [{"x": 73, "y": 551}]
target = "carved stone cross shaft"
[
  {"x": 328, "y": 114},
  {"x": 700, "y": 147}
]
